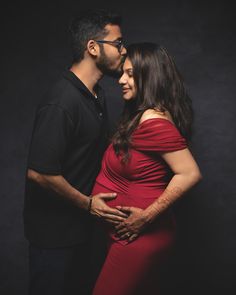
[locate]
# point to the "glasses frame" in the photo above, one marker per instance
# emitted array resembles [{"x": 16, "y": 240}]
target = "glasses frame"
[{"x": 119, "y": 44}]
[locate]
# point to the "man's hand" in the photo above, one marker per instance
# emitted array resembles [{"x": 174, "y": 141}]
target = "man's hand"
[
  {"x": 100, "y": 209},
  {"x": 131, "y": 227}
]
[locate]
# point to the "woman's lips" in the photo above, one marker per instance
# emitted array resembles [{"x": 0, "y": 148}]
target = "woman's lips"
[{"x": 125, "y": 90}]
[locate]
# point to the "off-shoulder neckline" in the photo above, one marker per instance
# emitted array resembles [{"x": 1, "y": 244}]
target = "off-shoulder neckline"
[{"x": 150, "y": 119}]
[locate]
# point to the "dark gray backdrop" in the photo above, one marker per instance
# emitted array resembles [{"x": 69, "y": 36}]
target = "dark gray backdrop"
[{"x": 201, "y": 37}]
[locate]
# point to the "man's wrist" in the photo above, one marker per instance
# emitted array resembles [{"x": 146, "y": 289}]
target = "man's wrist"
[
  {"x": 83, "y": 201},
  {"x": 90, "y": 203}
]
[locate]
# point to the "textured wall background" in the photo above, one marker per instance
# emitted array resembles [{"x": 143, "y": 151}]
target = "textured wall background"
[{"x": 201, "y": 37}]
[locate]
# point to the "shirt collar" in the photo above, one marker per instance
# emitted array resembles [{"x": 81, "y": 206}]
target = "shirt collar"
[{"x": 80, "y": 85}]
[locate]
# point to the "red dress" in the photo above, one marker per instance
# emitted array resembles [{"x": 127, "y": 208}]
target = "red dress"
[{"x": 128, "y": 266}]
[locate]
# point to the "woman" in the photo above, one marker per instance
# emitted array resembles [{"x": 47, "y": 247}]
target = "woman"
[{"x": 149, "y": 166}]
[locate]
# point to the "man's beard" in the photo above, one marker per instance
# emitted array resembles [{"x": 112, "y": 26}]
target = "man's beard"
[{"x": 104, "y": 66}]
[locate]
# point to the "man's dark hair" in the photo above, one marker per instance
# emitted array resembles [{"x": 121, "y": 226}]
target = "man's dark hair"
[{"x": 88, "y": 25}]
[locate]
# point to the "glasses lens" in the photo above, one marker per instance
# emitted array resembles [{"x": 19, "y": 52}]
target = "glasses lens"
[{"x": 118, "y": 44}]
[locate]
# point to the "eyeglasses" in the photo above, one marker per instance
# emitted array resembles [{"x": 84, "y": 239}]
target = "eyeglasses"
[{"x": 117, "y": 43}]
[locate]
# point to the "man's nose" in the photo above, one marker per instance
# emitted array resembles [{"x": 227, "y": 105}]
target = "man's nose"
[{"x": 123, "y": 51}]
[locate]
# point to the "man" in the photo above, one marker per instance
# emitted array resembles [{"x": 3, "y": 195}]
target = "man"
[{"x": 67, "y": 144}]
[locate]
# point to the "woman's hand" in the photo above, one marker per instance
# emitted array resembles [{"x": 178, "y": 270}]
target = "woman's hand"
[{"x": 131, "y": 227}]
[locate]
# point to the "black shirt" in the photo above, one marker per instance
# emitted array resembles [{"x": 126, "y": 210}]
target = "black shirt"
[{"x": 69, "y": 138}]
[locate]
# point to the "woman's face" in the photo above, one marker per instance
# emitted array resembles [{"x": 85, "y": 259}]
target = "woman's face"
[{"x": 127, "y": 81}]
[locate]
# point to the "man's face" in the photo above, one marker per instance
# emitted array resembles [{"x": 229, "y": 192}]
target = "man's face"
[{"x": 111, "y": 56}]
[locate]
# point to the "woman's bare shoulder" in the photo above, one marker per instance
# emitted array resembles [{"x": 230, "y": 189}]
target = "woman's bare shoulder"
[{"x": 153, "y": 113}]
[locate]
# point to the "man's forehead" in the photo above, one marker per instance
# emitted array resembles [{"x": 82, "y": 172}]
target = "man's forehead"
[{"x": 113, "y": 31}]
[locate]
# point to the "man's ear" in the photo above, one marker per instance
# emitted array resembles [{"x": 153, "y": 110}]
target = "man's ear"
[{"x": 92, "y": 47}]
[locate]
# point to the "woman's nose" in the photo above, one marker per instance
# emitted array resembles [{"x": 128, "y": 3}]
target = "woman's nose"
[{"x": 122, "y": 80}]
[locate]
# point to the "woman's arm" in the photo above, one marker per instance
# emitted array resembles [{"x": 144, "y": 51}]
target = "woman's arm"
[{"x": 186, "y": 175}]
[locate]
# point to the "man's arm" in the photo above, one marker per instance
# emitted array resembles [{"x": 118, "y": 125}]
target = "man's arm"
[{"x": 63, "y": 188}]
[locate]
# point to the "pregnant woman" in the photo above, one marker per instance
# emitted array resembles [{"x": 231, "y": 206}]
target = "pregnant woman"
[{"x": 149, "y": 166}]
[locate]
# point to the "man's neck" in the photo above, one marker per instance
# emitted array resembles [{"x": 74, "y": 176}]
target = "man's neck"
[{"x": 88, "y": 73}]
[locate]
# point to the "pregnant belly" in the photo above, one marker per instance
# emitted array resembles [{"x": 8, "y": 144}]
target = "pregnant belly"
[
  {"x": 163, "y": 225},
  {"x": 135, "y": 197}
]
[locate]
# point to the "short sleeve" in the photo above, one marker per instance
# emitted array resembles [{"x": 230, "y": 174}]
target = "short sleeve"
[
  {"x": 158, "y": 135},
  {"x": 51, "y": 134}
]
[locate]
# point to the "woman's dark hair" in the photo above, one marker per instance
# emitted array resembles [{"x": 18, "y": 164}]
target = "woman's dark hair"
[
  {"x": 159, "y": 86},
  {"x": 90, "y": 24}
]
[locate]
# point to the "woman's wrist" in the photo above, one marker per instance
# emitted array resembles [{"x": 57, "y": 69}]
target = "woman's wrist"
[{"x": 149, "y": 214}]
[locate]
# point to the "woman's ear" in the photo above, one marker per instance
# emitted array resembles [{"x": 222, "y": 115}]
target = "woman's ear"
[{"x": 92, "y": 47}]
